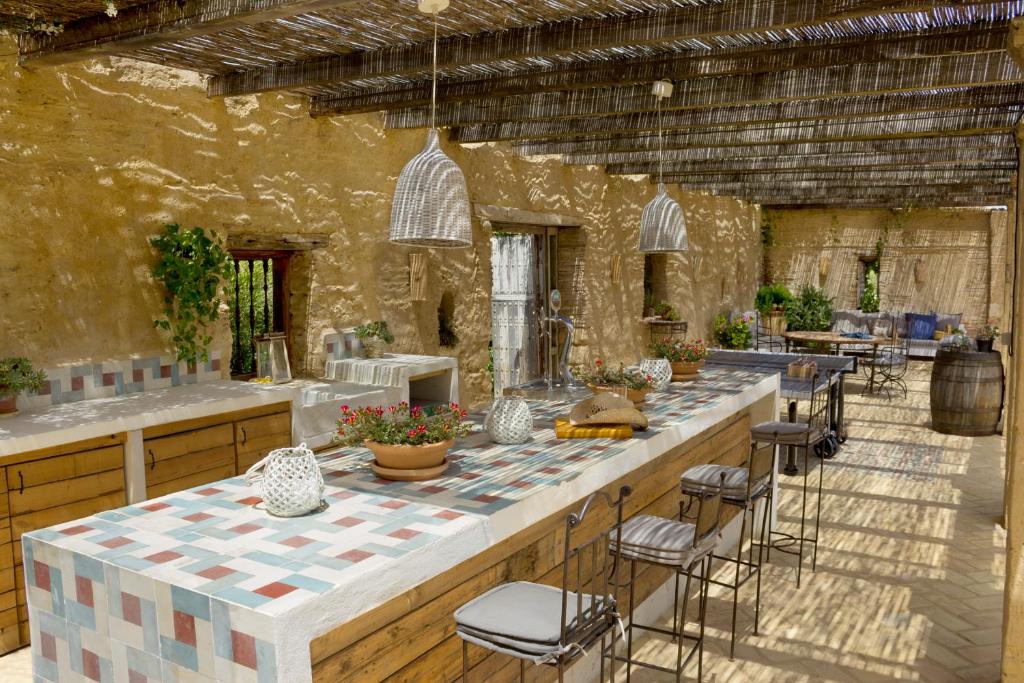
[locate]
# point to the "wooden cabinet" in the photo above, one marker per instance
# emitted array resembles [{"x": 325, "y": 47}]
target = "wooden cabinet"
[
  {"x": 42, "y": 488},
  {"x": 181, "y": 455}
]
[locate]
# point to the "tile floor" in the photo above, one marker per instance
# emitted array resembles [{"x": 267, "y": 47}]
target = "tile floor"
[{"x": 910, "y": 572}]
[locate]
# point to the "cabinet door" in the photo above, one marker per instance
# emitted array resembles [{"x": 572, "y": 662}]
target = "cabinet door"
[
  {"x": 76, "y": 480},
  {"x": 180, "y": 461},
  {"x": 257, "y": 436}
]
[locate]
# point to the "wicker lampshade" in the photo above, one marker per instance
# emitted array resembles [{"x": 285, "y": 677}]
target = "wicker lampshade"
[
  {"x": 662, "y": 226},
  {"x": 431, "y": 206}
]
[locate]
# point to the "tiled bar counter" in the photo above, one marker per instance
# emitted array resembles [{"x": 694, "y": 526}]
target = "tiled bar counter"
[{"x": 204, "y": 585}]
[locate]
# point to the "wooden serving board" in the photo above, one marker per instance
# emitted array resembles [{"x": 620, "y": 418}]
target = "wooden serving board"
[{"x": 564, "y": 430}]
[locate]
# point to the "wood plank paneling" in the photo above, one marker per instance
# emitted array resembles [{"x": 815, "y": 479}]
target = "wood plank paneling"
[{"x": 256, "y": 437}]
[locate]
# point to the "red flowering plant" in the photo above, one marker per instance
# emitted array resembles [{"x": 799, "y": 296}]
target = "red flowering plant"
[
  {"x": 602, "y": 376},
  {"x": 400, "y": 425},
  {"x": 684, "y": 351}
]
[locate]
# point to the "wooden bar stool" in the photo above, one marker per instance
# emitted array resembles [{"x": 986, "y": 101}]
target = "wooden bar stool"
[
  {"x": 547, "y": 625},
  {"x": 687, "y": 549},
  {"x": 804, "y": 435},
  {"x": 742, "y": 487}
]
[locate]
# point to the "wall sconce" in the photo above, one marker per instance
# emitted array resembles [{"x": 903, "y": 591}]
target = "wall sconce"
[
  {"x": 615, "y": 275},
  {"x": 417, "y": 277},
  {"x": 920, "y": 271},
  {"x": 824, "y": 263}
]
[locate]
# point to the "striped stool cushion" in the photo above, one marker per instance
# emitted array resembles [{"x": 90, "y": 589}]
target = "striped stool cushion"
[
  {"x": 706, "y": 479},
  {"x": 662, "y": 541},
  {"x": 790, "y": 433}
]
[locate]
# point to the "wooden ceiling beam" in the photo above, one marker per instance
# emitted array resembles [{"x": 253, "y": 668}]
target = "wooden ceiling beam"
[
  {"x": 730, "y": 62},
  {"x": 849, "y": 176},
  {"x": 908, "y": 75},
  {"x": 901, "y": 129},
  {"x": 890, "y": 203},
  {"x": 967, "y": 185},
  {"x": 155, "y": 23},
  {"x": 711, "y": 25},
  {"x": 744, "y": 115}
]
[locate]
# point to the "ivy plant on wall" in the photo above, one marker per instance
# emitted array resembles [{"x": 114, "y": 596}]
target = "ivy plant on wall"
[{"x": 192, "y": 266}]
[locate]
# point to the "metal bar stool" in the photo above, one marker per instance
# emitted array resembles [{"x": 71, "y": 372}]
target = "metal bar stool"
[
  {"x": 547, "y": 625},
  {"x": 804, "y": 435},
  {"x": 742, "y": 487},
  {"x": 681, "y": 546}
]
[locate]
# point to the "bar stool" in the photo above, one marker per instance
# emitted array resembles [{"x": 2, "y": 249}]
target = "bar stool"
[
  {"x": 803, "y": 435},
  {"x": 681, "y": 546},
  {"x": 742, "y": 487},
  {"x": 547, "y": 625}
]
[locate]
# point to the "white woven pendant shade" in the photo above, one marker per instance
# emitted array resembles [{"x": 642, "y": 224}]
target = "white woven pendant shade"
[
  {"x": 662, "y": 226},
  {"x": 431, "y": 206}
]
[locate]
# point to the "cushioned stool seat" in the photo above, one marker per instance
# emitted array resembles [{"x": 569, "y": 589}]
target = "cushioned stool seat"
[
  {"x": 662, "y": 541},
  {"x": 706, "y": 478},
  {"x": 521, "y": 619},
  {"x": 792, "y": 433}
]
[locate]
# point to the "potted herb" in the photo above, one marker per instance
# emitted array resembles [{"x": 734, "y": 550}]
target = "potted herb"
[
  {"x": 408, "y": 444},
  {"x": 16, "y": 376},
  {"x": 734, "y": 334},
  {"x": 629, "y": 383},
  {"x": 810, "y": 311},
  {"x": 666, "y": 311},
  {"x": 686, "y": 357},
  {"x": 770, "y": 302},
  {"x": 985, "y": 338},
  {"x": 374, "y": 337}
]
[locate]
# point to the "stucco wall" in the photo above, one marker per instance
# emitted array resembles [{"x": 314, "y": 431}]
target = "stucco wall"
[
  {"x": 950, "y": 261},
  {"x": 95, "y": 158}
]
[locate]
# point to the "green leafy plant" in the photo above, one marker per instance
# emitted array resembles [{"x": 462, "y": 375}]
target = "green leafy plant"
[
  {"x": 989, "y": 331},
  {"x": 772, "y": 296},
  {"x": 375, "y": 330},
  {"x": 602, "y": 376},
  {"x": 192, "y": 266},
  {"x": 680, "y": 351},
  {"x": 18, "y": 375},
  {"x": 733, "y": 334},
  {"x": 400, "y": 425},
  {"x": 958, "y": 341},
  {"x": 869, "y": 301},
  {"x": 666, "y": 311},
  {"x": 810, "y": 311}
]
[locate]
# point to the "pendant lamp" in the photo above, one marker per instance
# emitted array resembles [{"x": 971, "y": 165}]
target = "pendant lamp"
[
  {"x": 662, "y": 225},
  {"x": 431, "y": 205}
]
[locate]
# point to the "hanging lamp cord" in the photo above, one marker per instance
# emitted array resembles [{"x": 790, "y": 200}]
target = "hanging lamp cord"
[{"x": 433, "y": 83}]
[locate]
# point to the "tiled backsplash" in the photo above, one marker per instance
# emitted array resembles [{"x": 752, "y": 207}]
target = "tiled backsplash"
[{"x": 71, "y": 383}]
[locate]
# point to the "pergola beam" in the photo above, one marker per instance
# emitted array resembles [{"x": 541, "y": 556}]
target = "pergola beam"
[
  {"x": 901, "y": 129},
  {"x": 883, "y": 203},
  {"x": 842, "y": 187},
  {"x": 854, "y": 176},
  {"x": 695, "y": 27},
  {"x": 154, "y": 23},
  {"x": 845, "y": 108},
  {"x": 738, "y": 61}
]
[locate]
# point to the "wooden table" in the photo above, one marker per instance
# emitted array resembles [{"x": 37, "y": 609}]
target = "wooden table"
[{"x": 834, "y": 339}]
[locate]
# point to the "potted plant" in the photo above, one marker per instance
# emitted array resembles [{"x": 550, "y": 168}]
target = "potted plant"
[
  {"x": 16, "y": 376},
  {"x": 374, "y": 337},
  {"x": 628, "y": 383},
  {"x": 666, "y": 311},
  {"x": 734, "y": 334},
  {"x": 686, "y": 357},
  {"x": 810, "y": 311},
  {"x": 407, "y": 443},
  {"x": 770, "y": 302},
  {"x": 985, "y": 338}
]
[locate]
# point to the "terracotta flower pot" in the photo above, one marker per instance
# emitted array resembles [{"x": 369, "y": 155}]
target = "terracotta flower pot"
[
  {"x": 8, "y": 405},
  {"x": 410, "y": 462},
  {"x": 637, "y": 396},
  {"x": 687, "y": 367}
]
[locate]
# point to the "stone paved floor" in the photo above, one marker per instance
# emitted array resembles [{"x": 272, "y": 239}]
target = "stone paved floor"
[{"x": 910, "y": 572}]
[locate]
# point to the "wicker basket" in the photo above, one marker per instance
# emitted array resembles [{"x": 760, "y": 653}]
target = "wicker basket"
[{"x": 801, "y": 370}]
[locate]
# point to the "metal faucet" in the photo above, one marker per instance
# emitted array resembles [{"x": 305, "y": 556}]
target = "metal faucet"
[{"x": 563, "y": 360}]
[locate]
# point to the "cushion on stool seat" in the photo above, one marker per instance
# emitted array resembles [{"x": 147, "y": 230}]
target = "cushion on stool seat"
[
  {"x": 523, "y": 619},
  {"x": 792, "y": 433},
  {"x": 706, "y": 479},
  {"x": 662, "y": 541}
]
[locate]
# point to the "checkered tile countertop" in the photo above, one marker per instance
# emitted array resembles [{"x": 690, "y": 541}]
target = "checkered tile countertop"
[{"x": 204, "y": 585}]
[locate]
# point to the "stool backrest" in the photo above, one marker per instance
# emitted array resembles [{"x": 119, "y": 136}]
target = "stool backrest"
[
  {"x": 818, "y": 412},
  {"x": 588, "y": 567},
  {"x": 762, "y": 459},
  {"x": 709, "y": 514}
]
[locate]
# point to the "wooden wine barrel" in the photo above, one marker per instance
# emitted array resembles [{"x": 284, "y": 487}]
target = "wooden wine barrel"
[{"x": 966, "y": 393}]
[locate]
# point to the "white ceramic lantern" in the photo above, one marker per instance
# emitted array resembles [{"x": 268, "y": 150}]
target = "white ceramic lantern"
[
  {"x": 289, "y": 481},
  {"x": 509, "y": 420},
  {"x": 659, "y": 369}
]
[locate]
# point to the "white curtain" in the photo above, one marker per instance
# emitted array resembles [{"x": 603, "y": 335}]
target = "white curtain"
[{"x": 514, "y": 332}]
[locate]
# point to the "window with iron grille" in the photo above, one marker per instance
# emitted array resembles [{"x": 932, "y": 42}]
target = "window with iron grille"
[{"x": 258, "y": 305}]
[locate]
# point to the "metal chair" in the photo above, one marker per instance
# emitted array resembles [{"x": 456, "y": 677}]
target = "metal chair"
[
  {"x": 890, "y": 365},
  {"x": 686, "y": 548},
  {"x": 743, "y": 487},
  {"x": 804, "y": 435},
  {"x": 548, "y": 625}
]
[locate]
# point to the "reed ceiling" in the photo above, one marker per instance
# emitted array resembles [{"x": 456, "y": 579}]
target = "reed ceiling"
[{"x": 871, "y": 102}]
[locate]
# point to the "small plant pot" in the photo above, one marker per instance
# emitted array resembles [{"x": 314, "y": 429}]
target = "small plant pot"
[
  {"x": 777, "y": 324},
  {"x": 373, "y": 347},
  {"x": 8, "y": 406},
  {"x": 686, "y": 370},
  {"x": 984, "y": 345},
  {"x": 637, "y": 396},
  {"x": 410, "y": 463}
]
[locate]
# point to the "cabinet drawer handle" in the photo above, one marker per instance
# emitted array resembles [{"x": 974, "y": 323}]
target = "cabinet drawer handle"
[
  {"x": 244, "y": 436},
  {"x": 152, "y": 459},
  {"x": 21, "y": 482}
]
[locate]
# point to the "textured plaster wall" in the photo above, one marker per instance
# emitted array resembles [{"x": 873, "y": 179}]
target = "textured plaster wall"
[
  {"x": 95, "y": 158},
  {"x": 950, "y": 261}
]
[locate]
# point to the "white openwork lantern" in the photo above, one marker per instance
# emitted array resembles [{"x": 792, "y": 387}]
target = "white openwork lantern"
[
  {"x": 431, "y": 205},
  {"x": 509, "y": 420},
  {"x": 662, "y": 224},
  {"x": 660, "y": 371},
  {"x": 289, "y": 481}
]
